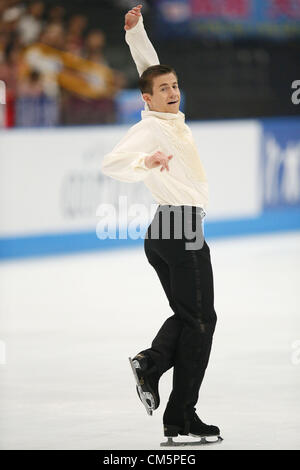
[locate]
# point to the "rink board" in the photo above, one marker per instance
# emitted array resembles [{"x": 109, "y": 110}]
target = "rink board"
[{"x": 51, "y": 185}]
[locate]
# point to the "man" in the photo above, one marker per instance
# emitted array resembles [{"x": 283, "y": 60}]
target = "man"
[{"x": 160, "y": 151}]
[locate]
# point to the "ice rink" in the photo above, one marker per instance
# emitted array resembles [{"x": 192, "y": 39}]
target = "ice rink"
[{"x": 69, "y": 324}]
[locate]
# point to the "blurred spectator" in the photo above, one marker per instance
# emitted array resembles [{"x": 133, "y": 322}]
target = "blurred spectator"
[
  {"x": 56, "y": 15},
  {"x": 75, "y": 34},
  {"x": 76, "y": 109},
  {"x": 4, "y": 41},
  {"x": 77, "y": 24},
  {"x": 33, "y": 106},
  {"x": 9, "y": 68},
  {"x": 53, "y": 35},
  {"x": 11, "y": 10},
  {"x": 73, "y": 43},
  {"x": 44, "y": 60},
  {"x": 50, "y": 65},
  {"x": 11, "y": 16},
  {"x": 94, "y": 51},
  {"x": 9, "y": 73},
  {"x": 93, "y": 47},
  {"x": 31, "y": 24},
  {"x": 32, "y": 85}
]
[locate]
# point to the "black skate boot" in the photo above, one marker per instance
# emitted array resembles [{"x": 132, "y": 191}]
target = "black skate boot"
[
  {"x": 195, "y": 428},
  {"x": 147, "y": 378}
]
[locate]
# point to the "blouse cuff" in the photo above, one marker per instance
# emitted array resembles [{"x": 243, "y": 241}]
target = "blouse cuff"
[
  {"x": 137, "y": 28},
  {"x": 139, "y": 163}
]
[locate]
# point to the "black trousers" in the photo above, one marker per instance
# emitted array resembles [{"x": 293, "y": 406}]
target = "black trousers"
[{"x": 185, "y": 272}]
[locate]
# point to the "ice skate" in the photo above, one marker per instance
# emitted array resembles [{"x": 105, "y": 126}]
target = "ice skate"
[
  {"x": 208, "y": 434},
  {"x": 147, "y": 377}
]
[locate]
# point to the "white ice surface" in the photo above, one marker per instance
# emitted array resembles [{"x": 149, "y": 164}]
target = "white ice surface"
[{"x": 69, "y": 324}]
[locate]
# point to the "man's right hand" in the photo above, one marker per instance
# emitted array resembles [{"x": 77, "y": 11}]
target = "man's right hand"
[
  {"x": 132, "y": 17},
  {"x": 158, "y": 158}
]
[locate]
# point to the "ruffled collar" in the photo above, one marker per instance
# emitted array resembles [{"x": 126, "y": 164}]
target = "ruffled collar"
[{"x": 180, "y": 117}]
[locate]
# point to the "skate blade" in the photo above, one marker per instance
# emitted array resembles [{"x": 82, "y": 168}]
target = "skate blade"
[
  {"x": 203, "y": 442},
  {"x": 140, "y": 391}
]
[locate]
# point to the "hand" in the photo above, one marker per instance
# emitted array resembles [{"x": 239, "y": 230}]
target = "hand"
[
  {"x": 158, "y": 158},
  {"x": 132, "y": 17}
]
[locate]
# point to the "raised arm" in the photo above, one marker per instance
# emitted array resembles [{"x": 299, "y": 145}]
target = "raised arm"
[{"x": 142, "y": 51}]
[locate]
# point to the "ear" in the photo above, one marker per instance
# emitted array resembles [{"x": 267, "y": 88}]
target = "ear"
[{"x": 146, "y": 97}]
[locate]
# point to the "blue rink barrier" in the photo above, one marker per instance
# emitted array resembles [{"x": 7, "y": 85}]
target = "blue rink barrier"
[{"x": 78, "y": 242}]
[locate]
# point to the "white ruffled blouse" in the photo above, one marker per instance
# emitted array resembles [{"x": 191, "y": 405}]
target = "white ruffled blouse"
[{"x": 185, "y": 183}]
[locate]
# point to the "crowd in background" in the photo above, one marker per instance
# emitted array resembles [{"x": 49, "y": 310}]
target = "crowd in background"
[
  {"x": 54, "y": 66},
  {"x": 65, "y": 62}
]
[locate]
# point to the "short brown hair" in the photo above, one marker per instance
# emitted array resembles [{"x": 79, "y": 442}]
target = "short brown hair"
[{"x": 146, "y": 79}]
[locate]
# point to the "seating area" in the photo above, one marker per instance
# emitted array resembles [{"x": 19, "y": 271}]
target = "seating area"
[{"x": 67, "y": 64}]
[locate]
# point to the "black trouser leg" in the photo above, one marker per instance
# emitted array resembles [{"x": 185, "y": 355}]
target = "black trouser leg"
[
  {"x": 163, "y": 347},
  {"x": 184, "y": 341},
  {"x": 192, "y": 284}
]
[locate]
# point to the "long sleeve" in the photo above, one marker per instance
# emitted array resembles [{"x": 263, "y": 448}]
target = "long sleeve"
[
  {"x": 126, "y": 162},
  {"x": 142, "y": 50}
]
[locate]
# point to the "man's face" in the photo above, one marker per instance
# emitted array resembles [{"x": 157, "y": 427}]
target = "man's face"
[{"x": 165, "y": 96}]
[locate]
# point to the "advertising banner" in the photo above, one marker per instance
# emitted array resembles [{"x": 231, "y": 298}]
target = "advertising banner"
[{"x": 277, "y": 19}]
